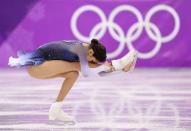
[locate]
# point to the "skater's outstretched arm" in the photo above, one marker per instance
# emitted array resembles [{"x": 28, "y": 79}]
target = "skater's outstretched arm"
[{"x": 53, "y": 68}]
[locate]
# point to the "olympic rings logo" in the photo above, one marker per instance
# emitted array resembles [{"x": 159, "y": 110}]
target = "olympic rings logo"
[{"x": 133, "y": 32}]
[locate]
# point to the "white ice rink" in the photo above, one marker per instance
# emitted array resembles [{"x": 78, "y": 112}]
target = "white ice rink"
[{"x": 143, "y": 100}]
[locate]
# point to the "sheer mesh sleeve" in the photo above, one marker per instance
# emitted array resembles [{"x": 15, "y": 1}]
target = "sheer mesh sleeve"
[
  {"x": 100, "y": 71},
  {"x": 81, "y": 52},
  {"x": 103, "y": 70}
]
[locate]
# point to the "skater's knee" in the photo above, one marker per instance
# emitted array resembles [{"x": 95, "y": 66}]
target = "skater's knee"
[
  {"x": 30, "y": 71},
  {"x": 33, "y": 71}
]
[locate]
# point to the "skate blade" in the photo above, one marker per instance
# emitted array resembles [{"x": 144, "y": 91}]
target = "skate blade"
[{"x": 59, "y": 122}]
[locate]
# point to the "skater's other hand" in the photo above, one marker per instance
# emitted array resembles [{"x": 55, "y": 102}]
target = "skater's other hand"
[
  {"x": 128, "y": 67},
  {"x": 111, "y": 68}
]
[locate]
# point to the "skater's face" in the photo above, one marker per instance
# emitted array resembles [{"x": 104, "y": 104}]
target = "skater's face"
[{"x": 90, "y": 56}]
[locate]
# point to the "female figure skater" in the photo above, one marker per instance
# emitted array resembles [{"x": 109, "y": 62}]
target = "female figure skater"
[
  {"x": 66, "y": 59},
  {"x": 72, "y": 51}
]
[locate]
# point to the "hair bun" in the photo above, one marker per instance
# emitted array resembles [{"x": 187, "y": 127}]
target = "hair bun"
[{"x": 94, "y": 41}]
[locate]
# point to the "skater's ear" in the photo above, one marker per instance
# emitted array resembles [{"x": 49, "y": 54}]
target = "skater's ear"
[{"x": 90, "y": 52}]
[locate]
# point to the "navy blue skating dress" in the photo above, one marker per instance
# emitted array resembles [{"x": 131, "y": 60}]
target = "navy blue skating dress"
[{"x": 72, "y": 51}]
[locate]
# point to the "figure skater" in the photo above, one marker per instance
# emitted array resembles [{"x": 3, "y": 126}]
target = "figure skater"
[
  {"x": 72, "y": 51},
  {"x": 66, "y": 59}
]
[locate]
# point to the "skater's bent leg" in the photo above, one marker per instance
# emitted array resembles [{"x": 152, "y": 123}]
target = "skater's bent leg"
[
  {"x": 53, "y": 68},
  {"x": 70, "y": 79}
]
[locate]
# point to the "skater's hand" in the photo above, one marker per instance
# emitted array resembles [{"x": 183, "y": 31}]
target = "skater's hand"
[
  {"x": 128, "y": 67},
  {"x": 111, "y": 68}
]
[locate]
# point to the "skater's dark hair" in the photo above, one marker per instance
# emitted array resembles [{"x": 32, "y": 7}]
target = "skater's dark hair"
[{"x": 99, "y": 50}]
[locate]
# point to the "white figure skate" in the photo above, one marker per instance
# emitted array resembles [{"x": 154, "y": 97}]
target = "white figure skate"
[
  {"x": 127, "y": 59},
  {"x": 56, "y": 113}
]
